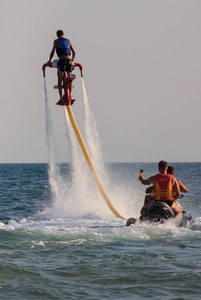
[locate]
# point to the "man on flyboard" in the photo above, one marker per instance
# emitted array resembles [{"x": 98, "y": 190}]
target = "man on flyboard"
[{"x": 63, "y": 49}]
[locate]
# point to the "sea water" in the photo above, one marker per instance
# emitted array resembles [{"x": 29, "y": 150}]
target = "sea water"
[{"x": 68, "y": 245}]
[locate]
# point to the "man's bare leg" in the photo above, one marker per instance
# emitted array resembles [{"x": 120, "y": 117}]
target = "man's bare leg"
[
  {"x": 148, "y": 200},
  {"x": 177, "y": 210},
  {"x": 71, "y": 87},
  {"x": 60, "y": 78}
]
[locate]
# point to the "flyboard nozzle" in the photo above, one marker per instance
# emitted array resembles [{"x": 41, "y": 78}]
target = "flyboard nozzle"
[
  {"x": 48, "y": 64},
  {"x": 80, "y": 67}
]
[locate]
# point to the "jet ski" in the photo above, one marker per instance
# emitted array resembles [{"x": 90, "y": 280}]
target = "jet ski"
[{"x": 158, "y": 213}]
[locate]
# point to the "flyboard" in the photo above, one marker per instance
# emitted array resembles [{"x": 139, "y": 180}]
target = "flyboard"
[{"x": 67, "y": 102}]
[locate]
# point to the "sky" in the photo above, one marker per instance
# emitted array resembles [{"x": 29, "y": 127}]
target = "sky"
[{"x": 142, "y": 66}]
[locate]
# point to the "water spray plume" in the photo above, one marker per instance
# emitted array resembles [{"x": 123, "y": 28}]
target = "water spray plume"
[
  {"x": 52, "y": 172},
  {"x": 90, "y": 164}
]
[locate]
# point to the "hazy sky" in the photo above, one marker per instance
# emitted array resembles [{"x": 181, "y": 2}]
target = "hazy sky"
[{"x": 142, "y": 66}]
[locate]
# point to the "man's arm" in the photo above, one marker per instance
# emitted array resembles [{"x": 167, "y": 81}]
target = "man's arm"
[
  {"x": 73, "y": 52},
  {"x": 52, "y": 52},
  {"x": 150, "y": 180},
  {"x": 149, "y": 189},
  {"x": 182, "y": 187},
  {"x": 176, "y": 188}
]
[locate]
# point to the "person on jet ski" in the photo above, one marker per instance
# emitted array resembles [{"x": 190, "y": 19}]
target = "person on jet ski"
[
  {"x": 182, "y": 187},
  {"x": 63, "y": 49},
  {"x": 166, "y": 188},
  {"x": 149, "y": 199}
]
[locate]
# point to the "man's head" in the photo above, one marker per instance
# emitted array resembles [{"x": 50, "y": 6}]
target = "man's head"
[
  {"x": 170, "y": 170},
  {"x": 60, "y": 33},
  {"x": 162, "y": 166}
]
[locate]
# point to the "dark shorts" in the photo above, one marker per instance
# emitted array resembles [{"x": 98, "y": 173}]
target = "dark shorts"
[
  {"x": 65, "y": 65},
  {"x": 169, "y": 202}
]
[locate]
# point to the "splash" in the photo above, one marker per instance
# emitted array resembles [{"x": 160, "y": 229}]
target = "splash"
[
  {"x": 92, "y": 134},
  {"x": 53, "y": 170},
  {"x": 116, "y": 190},
  {"x": 86, "y": 195},
  {"x": 79, "y": 168},
  {"x": 79, "y": 195},
  {"x": 72, "y": 195}
]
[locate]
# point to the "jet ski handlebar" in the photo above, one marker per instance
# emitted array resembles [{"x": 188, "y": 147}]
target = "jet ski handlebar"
[{"x": 54, "y": 65}]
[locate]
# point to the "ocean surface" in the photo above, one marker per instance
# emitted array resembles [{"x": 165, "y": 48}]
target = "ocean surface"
[{"x": 59, "y": 239}]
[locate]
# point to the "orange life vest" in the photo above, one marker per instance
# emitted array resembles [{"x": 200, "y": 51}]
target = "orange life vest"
[{"x": 163, "y": 189}]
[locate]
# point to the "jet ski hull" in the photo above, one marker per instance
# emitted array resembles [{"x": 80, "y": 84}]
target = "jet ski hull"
[{"x": 158, "y": 213}]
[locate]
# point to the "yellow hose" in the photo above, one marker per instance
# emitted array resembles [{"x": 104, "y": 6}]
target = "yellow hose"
[{"x": 90, "y": 164}]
